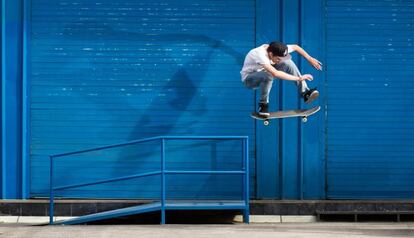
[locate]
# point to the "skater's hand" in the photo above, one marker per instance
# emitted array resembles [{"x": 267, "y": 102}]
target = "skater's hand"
[
  {"x": 315, "y": 63},
  {"x": 306, "y": 77}
]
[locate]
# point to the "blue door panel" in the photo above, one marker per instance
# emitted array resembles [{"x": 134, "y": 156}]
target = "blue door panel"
[
  {"x": 112, "y": 71},
  {"x": 370, "y": 92}
]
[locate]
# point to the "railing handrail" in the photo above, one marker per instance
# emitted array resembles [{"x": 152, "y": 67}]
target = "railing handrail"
[
  {"x": 155, "y": 172},
  {"x": 163, "y": 172},
  {"x": 146, "y": 140},
  {"x": 134, "y": 176}
]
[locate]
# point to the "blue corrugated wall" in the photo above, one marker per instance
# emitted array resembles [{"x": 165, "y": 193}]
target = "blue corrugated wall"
[
  {"x": 11, "y": 100},
  {"x": 113, "y": 71},
  {"x": 290, "y": 155},
  {"x": 86, "y": 73},
  {"x": 370, "y": 92},
  {"x": 301, "y": 145}
]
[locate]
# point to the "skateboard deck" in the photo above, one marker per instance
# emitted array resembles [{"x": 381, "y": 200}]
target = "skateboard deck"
[{"x": 304, "y": 113}]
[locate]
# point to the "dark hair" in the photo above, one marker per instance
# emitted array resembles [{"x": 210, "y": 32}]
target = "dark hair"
[{"x": 277, "y": 48}]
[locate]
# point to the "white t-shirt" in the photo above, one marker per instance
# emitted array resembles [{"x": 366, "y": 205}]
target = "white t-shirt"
[{"x": 255, "y": 60}]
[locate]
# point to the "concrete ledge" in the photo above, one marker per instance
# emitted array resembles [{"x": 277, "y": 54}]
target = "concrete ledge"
[
  {"x": 277, "y": 219},
  {"x": 259, "y": 219},
  {"x": 298, "y": 219},
  {"x": 34, "y": 220},
  {"x": 9, "y": 219},
  {"x": 62, "y": 218}
]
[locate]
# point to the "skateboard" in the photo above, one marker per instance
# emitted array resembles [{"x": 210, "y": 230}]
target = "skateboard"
[{"x": 304, "y": 113}]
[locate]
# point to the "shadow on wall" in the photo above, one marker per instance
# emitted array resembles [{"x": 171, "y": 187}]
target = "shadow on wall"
[{"x": 177, "y": 93}]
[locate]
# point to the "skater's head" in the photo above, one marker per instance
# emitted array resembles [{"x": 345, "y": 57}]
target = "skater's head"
[{"x": 277, "y": 51}]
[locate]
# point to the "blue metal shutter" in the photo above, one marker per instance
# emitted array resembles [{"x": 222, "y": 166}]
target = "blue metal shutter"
[
  {"x": 370, "y": 87},
  {"x": 110, "y": 71}
]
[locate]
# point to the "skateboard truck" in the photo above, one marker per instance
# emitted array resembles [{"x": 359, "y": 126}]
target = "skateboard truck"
[{"x": 266, "y": 122}]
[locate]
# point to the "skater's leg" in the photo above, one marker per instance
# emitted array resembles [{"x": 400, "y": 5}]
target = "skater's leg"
[
  {"x": 265, "y": 88},
  {"x": 263, "y": 80},
  {"x": 288, "y": 66},
  {"x": 308, "y": 95}
]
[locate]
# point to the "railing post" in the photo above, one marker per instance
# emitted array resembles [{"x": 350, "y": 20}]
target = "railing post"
[
  {"x": 163, "y": 187},
  {"x": 246, "y": 180},
  {"x": 51, "y": 195}
]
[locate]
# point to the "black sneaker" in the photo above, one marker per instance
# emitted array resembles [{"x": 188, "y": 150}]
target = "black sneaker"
[
  {"x": 310, "y": 95},
  {"x": 264, "y": 109}
]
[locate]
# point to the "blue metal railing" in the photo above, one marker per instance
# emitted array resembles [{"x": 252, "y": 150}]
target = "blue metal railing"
[{"x": 163, "y": 172}]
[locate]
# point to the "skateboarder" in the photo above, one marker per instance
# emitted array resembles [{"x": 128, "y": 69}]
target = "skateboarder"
[{"x": 269, "y": 61}]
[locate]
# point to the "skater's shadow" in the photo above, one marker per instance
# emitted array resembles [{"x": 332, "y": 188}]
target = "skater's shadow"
[{"x": 167, "y": 104}]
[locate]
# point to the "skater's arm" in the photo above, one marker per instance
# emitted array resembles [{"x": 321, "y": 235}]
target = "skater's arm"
[
  {"x": 282, "y": 75},
  {"x": 314, "y": 62}
]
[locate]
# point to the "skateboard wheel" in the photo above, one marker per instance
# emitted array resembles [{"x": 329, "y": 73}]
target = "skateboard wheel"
[
  {"x": 266, "y": 122},
  {"x": 304, "y": 119}
]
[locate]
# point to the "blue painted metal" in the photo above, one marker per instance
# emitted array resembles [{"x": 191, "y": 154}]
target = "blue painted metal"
[
  {"x": 146, "y": 140},
  {"x": 301, "y": 105},
  {"x": 204, "y": 172},
  {"x": 289, "y": 129},
  {"x": 300, "y": 149},
  {"x": 267, "y": 141},
  {"x": 108, "y": 146},
  {"x": 141, "y": 175},
  {"x": 112, "y": 214},
  {"x": 163, "y": 185},
  {"x": 288, "y": 152},
  {"x": 299, "y": 153},
  {"x": 51, "y": 193},
  {"x": 302, "y": 153},
  {"x": 213, "y": 205},
  {"x": 11, "y": 101},
  {"x": 3, "y": 22},
  {"x": 96, "y": 105},
  {"x": 106, "y": 87},
  {"x": 3, "y": 108},
  {"x": 370, "y": 95},
  {"x": 246, "y": 211},
  {"x": 223, "y": 154},
  {"x": 121, "y": 70},
  {"x": 240, "y": 204},
  {"x": 312, "y": 134},
  {"x": 26, "y": 102}
]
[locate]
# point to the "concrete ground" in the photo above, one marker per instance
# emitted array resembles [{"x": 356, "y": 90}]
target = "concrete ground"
[{"x": 285, "y": 230}]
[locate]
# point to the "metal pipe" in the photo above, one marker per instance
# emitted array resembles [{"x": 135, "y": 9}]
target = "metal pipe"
[
  {"x": 109, "y": 180},
  {"x": 204, "y": 172},
  {"x": 163, "y": 185},
  {"x": 51, "y": 196}
]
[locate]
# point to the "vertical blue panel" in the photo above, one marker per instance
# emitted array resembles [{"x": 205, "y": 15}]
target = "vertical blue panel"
[
  {"x": 312, "y": 133},
  {"x": 289, "y": 128},
  {"x": 370, "y": 87},
  {"x": 11, "y": 98},
  {"x": 290, "y": 155},
  {"x": 25, "y": 102},
  {"x": 112, "y": 71},
  {"x": 267, "y": 30},
  {"x": 301, "y": 145},
  {"x": 1, "y": 88}
]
